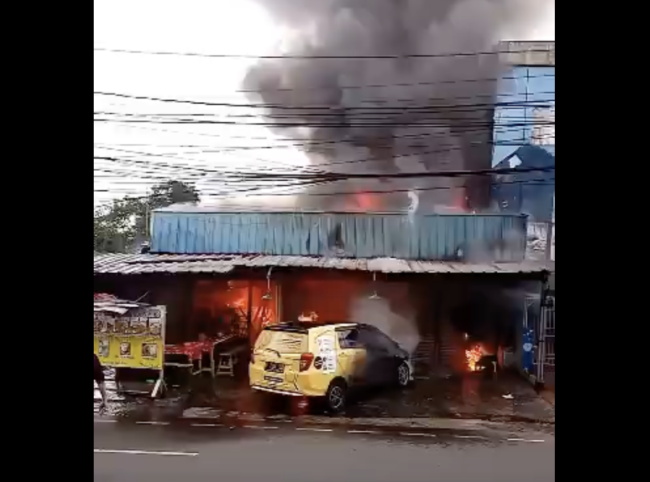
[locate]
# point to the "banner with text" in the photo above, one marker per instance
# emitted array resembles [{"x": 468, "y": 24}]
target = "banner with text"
[{"x": 133, "y": 340}]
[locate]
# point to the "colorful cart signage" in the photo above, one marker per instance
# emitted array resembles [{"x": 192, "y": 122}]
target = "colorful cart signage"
[{"x": 135, "y": 339}]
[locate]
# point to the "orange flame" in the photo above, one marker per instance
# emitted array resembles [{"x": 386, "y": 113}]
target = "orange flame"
[
  {"x": 237, "y": 303},
  {"x": 313, "y": 317},
  {"x": 473, "y": 355},
  {"x": 461, "y": 202}
]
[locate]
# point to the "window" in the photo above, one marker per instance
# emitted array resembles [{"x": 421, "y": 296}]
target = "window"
[
  {"x": 375, "y": 338},
  {"x": 349, "y": 339},
  {"x": 543, "y": 126}
]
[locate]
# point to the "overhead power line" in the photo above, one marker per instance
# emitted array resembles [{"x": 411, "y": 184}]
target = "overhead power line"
[
  {"x": 252, "y": 191},
  {"x": 333, "y": 125},
  {"x": 194, "y": 161},
  {"x": 323, "y": 107},
  {"x": 337, "y": 88},
  {"x": 315, "y": 57},
  {"x": 287, "y": 142},
  {"x": 534, "y": 182},
  {"x": 209, "y": 170},
  {"x": 399, "y": 175}
]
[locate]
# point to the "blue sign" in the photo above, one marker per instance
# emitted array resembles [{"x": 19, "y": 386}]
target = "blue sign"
[{"x": 528, "y": 341}]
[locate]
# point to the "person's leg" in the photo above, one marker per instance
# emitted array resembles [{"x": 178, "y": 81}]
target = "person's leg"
[
  {"x": 101, "y": 385},
  {"x": 102, "y": 391}
]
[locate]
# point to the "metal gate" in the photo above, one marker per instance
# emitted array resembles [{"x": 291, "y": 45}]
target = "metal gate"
[{"x": 545, "y": 356}]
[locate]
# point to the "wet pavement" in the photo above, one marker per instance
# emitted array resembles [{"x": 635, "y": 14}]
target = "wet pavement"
[
  {"x": 507, "y": 399},
  {"x": 141, "y": 452}
]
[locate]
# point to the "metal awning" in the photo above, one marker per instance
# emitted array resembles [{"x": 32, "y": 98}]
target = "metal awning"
[{"x": 135, "y": 264}]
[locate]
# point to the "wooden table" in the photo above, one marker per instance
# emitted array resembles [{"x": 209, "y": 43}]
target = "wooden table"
[{"x": 194, "y": 351}]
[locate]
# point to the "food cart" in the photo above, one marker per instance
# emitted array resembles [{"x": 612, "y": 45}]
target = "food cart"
[{"x": 130, "y": 335}]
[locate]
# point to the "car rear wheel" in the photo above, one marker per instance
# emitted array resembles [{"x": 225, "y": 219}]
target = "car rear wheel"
[
  {"x": 336, "y": 396},
  {"x": 403, "y": 374}
]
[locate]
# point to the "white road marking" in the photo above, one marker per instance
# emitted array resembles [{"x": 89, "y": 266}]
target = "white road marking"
[
  {"x": 524, "y": 440},
  {"x": 417, "y": 434},
  {"x": 302, "y": 429},
  {"x": 145, "y": 452}
]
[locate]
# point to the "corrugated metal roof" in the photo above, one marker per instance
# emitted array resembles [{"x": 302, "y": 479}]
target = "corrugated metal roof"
[
  {"x": 359, "y": 236},
  {"x": 222, "y": 263},
  {"x": 266, "y": 209},
  {"x": 109, "y": 303}
]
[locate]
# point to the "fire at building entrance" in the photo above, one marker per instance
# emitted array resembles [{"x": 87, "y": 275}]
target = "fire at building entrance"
[
  {"x": 227, "y": 306},
  {"x": 482, "y": 322},
  {"x": 468, "y": 324}
]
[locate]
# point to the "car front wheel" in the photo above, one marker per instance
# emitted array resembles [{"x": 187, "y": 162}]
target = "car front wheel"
[{"x": 403, "y": 374}]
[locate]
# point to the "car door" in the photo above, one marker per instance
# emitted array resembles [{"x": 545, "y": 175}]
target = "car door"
[
  {"x": 392, "y": 356},
  {"x": 379, "y": 359},
  {"x": 387, "y": 356},
  {"x": 351, "y": 356}
]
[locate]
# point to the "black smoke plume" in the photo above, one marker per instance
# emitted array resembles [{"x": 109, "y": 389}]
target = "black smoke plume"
[{"x": 417, "y": 113}]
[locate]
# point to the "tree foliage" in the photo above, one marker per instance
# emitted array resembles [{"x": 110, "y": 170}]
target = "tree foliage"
[{"x": 123, "y": 225}]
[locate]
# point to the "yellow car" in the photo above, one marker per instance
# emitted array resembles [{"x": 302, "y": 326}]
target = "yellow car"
[{"x": 326, "y": 360}]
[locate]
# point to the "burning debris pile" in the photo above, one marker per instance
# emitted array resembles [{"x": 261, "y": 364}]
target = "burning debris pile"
[
  {"x": 389, "y": 115},
  {"x": 473, "y": 356}
]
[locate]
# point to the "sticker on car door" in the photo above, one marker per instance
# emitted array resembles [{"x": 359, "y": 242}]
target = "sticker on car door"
[{"x": 327, "y": 352}]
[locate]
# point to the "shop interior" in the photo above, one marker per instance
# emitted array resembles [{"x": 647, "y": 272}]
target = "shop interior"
[
  {"x": 223, "y": 321},
  {"x": 225, "y": 307}
]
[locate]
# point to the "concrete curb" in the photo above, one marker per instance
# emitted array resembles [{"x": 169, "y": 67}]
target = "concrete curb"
[
  {"x": 467, "y": 432},
  {"x": 468, "y": 422}
]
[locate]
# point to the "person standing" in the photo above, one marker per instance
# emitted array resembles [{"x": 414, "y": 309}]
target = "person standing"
[{"x": 100, "y": 381}]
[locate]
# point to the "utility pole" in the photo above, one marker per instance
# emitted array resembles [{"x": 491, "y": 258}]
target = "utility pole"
[
  {"x": 550, "y": 226},
  {"x": 146, "y": 221},
  {"x": 548, "y": 249}
]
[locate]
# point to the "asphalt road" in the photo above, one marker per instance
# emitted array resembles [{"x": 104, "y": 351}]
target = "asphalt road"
[{"x": 141, "y": 453}]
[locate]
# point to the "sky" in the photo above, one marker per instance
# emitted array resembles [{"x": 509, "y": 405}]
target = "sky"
[{"x": 201, "y": 26}]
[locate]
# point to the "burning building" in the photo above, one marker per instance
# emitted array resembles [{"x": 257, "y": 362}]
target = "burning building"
[
  {"x": 377, "y": 87},
  {"x": 438, "y": 284}
]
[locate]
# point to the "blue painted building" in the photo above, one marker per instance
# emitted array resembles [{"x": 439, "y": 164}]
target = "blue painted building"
[
  {"x": 429, "y": 237},
  {"x": 524, "y": 136}
]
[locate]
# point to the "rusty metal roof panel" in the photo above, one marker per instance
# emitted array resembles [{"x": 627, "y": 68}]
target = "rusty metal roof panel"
[
  {"x": 204, "y": 267},
  {"x": 161, "y": 263},
  {"x": 474, "y": 268},
  {"x": 389, "y": 265}
]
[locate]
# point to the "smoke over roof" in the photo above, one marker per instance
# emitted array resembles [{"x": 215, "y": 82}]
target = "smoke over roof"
[{"x": 418, "y": 113}]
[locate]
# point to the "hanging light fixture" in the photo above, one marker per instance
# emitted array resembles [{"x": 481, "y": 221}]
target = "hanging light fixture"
[
  {"x": 374, "y": 295},
  {"x": 268, "y": 296}
]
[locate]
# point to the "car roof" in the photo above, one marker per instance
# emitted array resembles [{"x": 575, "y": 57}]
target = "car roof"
[{"x": 304, "y": 326}]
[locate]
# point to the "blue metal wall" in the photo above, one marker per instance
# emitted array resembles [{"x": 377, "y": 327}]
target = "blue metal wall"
[
  {"x": 432, "y": 237},
  {"x": 524, "y": 94}
]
